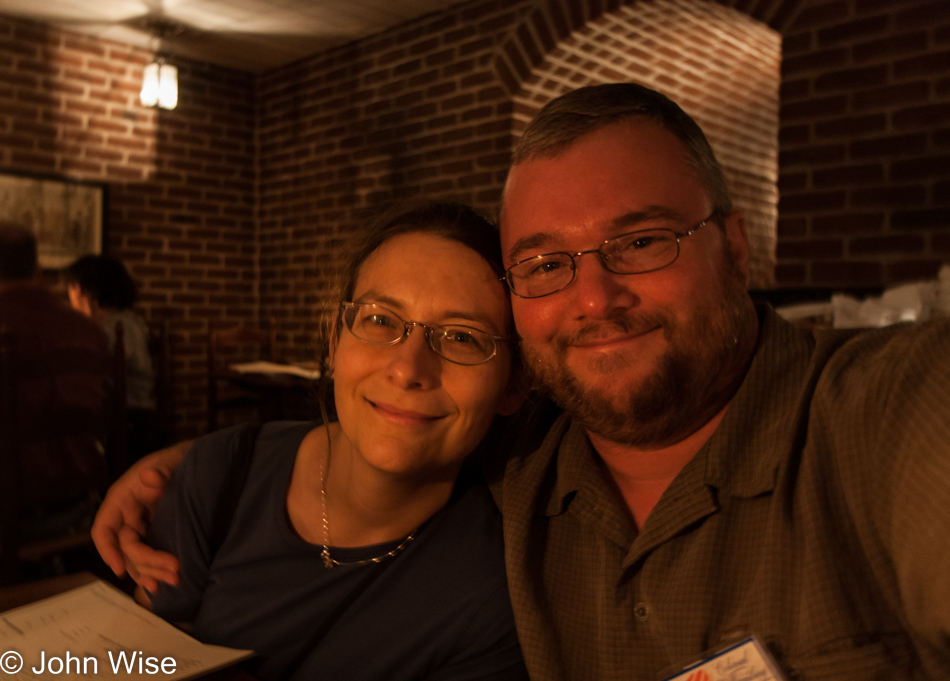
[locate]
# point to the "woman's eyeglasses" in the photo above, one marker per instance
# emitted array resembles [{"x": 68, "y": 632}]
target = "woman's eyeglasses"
[{"x": 457, "y": 343}]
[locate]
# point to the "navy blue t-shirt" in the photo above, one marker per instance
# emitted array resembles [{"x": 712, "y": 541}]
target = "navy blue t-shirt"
[{"x": 439, "y": 610}]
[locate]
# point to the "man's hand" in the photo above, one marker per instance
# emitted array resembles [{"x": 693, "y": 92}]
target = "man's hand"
[{"x": 123, "y": 518}]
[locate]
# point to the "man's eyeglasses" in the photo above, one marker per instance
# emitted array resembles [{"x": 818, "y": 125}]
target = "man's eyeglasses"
[
  {"x": 457, "y": 343},
  {"x": 646, "y": 250}
]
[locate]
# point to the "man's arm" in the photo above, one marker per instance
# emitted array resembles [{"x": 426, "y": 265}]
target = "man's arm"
[{"x": 123, "y": 518}]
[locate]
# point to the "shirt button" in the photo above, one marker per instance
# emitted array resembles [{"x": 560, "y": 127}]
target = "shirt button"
[{"x": 642, "y": 611}]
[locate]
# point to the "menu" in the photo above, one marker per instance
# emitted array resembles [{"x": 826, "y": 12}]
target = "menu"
[{"x": 97, "y": 632}]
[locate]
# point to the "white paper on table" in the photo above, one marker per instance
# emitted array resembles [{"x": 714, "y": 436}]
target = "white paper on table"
[
  {"x": 98, "y": 622},
  {"x": 274, "y": 368}
]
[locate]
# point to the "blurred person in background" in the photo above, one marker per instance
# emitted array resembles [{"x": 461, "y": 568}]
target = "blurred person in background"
[{"x": 101, "y": 288}]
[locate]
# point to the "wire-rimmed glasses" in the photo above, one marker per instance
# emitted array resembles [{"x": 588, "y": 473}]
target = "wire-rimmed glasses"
[
  {"x": 640, "y": 252},
  {"x": 460, "y": 344}
]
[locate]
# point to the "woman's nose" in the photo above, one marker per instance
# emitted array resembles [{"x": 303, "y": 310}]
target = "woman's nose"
[{"x": 414, "y": 366}]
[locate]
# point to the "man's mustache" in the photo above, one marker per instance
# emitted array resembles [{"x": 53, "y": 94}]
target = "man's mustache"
[{"x": 626, "y": 325}]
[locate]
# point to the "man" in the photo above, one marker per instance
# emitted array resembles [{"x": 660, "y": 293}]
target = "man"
[
  {"x": 38, "y": 322},
  {"x": 716, "y": 474}
]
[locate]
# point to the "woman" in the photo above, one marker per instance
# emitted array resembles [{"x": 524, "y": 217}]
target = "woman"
[
  {"x": 100, "y": 287},
  {"x": 359, "y": 549}
]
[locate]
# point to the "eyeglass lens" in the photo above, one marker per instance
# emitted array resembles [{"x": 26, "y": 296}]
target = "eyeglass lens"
[
  {"x": 635, "y": 253},
  {"x": 376, "y": 325}
]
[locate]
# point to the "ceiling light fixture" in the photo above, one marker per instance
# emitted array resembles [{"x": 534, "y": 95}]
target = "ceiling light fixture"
[
  {"x": 160, "y": 79},
  {"x": 160, "y": 85}
]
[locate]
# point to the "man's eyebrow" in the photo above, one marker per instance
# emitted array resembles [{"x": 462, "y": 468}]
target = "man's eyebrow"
[
  {"x": 538, "y": 240},
  {"x": 648, "y": 214},
  {"x": 531, "y": 242}
]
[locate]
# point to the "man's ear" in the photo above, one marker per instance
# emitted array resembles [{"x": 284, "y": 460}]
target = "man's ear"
[
  {"x": 737, "y": 241},
  {"x": 515, "y": 394}
]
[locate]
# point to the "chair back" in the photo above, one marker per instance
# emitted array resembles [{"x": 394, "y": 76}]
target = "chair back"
[
  {"x": 265, "y": 341},
  {"x": 159, "y": 348},
  {"x": 93, "y": 432}
]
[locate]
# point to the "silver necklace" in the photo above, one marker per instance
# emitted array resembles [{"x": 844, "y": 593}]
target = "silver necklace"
[{"x": 328, "y": 560}]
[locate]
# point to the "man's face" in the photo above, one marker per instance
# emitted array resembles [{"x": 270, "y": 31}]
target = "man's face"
[{"x": 640, "y": 359}]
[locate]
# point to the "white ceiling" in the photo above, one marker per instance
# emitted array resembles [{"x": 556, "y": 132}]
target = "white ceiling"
[{"x": 251, "y": 35}]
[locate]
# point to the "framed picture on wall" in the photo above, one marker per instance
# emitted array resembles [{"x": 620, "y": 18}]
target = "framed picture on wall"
[{"x": 65, "y": 215}]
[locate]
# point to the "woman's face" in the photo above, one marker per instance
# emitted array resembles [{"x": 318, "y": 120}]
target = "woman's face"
[{"x": 405, "y": 409}]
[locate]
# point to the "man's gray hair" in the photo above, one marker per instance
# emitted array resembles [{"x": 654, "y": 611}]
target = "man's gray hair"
[
  {"x": 17, "y": 252},
  {"x": 571, "y": 116}
]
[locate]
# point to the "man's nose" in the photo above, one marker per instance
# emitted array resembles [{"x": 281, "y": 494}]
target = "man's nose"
[{"x": 598, "y": 292}]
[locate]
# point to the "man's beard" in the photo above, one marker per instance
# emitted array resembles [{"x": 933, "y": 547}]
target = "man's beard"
[{"x": 691, "y": 381}]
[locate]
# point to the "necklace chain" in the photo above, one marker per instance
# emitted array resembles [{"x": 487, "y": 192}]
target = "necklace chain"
[{"x": 328, "y": 560}]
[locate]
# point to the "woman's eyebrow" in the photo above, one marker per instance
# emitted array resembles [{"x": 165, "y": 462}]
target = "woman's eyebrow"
[{"x": 372, "y": 296}]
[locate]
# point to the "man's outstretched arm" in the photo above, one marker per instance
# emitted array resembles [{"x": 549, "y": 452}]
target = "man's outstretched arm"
[{"x": 124, "y": 516}]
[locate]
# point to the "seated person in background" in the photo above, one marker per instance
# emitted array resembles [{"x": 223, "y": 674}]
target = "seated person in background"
[
  {"x": 57, "y": 474},
  {"x": 100, "y": 287},
  {"x": 366, "y": 549}
]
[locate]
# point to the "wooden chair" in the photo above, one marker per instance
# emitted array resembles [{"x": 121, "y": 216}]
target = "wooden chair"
[
  {"x": 159, "y": 348},
  {"x": 100, "y": 426},
  {"x": 265, "y": 341}
]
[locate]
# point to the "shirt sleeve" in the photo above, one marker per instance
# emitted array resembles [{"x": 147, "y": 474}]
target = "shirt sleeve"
[
  {"x": 915, "y": 430},
  {"x": 892, "y": 422},
  {"x": 182, "y": 524}
]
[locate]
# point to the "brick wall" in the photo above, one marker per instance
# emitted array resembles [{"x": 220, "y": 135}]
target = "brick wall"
[
  {"x": 865, "y": 143},
  {"x": 292, "y": 165},
  {"x": 180, "y": 184},
  {"x": 414, "y": 111}
]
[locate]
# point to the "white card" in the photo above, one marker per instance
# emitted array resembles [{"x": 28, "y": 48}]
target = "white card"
[{"x": 747, "y": 660}]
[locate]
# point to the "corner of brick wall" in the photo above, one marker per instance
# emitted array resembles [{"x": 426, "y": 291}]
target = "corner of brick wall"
[{"x": 865, "y": 144}]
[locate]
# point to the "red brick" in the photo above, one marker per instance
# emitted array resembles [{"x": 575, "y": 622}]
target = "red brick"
[
  {"x": 893, "y": 145},
  {"x": 913, "y": 270},
  {"x": 849, "y": 79},
  {"x": 812, "y": 201},
  {"x": 886, "y": 245},
  {"x": 814, "y": 108},
  {"x": 889, "y": 47},
  {"x": 921, "y": 219},
  {"x": 890, "y": 96},
  {"x": 848, "y": 223},
  {"x": 813, "y": 249},
  {"x": 843, "y": 176},
  {"x": 818, "y": 60},
  {"x": 812, "y": 155},
  {"x": 851, "y": 30},
  {"x": 888, "y": 195},
  {"x": 921, "y": 117},
  {"x": 851, "y": 126},
  {"x": 932, "y": 63},
  {"x": 846, "y": 273},
  {"x": 821, "y": 15},
  {"x": 920, "y": 168}
]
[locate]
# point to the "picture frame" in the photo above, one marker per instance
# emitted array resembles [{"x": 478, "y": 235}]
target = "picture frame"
[{"x": 66, "y": 215}]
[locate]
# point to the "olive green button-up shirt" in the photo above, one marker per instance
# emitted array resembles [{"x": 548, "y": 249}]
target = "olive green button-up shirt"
[{"x": 817, "y": 517}]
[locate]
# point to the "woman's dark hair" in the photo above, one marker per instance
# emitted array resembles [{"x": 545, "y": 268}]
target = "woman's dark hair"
[
  {"x": 448, "y": 220},
  {"x": 103, "y": 279},
  {"x": 452, "y": 221}
]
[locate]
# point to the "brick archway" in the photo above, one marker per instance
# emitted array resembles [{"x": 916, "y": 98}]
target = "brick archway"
[{"x": 721, "y": 65}]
